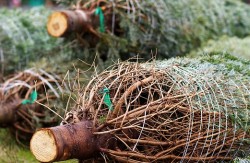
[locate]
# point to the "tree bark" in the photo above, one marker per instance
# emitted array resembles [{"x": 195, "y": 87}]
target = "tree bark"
[
  {"x": 8, "y": 112},
  {"x": 63, "y": 22},
  {"x": 64, "y": 142}
]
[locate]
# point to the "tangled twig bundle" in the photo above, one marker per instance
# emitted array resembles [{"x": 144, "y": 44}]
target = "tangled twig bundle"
[
  {"x": 22, "y": 114},
  {"x": 167, "y": 112}
]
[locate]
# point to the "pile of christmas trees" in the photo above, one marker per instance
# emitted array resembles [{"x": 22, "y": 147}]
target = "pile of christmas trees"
[{"x": 194, "y": 108}]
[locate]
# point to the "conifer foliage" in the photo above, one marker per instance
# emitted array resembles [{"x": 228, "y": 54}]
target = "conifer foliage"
[{"x": 168, "y": 28}]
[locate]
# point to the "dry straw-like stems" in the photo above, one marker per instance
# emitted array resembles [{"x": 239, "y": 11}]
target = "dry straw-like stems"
[
  {"x": 168, "y": 111},
  {"x": 24, "y": 118}
]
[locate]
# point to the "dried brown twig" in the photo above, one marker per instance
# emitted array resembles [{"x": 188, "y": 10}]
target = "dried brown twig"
[{"x": 24, "y": 118}]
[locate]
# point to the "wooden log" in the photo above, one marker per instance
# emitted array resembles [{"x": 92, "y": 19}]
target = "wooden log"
[
  {"x": 64, "y": 142},
  {"x": 8, "y": 112},
  {"x": 6, "y": 115},
  {"x": 63, "y": 22}
]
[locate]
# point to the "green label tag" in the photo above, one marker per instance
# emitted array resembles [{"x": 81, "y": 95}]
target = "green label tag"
[
  {"x": 99, "y": 12},
  {"x": 32, "y": 98},
  {"x": 107, "y": 100}
]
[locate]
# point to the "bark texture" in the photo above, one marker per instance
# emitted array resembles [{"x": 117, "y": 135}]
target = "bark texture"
[
  {"x": 64, "y": 142},
  {"x": 63, "y": 22}
]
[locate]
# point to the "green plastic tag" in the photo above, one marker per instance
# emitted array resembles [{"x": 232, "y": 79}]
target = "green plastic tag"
[
  {"x": 99, "y": 12},
  {"x": 107, "y": 100},
  {"x": 32, "y": 99}
]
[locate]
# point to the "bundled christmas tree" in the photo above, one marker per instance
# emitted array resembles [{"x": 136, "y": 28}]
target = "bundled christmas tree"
[
  {"x": 24, "y": 39},
  {"x": 235, "y": 46},
  {"x": 122, "y": 29},
  {"x": 30, "y": 100},
  {"x": 176, "y": 110}
]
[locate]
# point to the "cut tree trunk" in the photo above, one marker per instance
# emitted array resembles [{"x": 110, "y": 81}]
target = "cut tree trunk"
[
  {"x": 8, "y": 112},
  {"x": 63, "y": 22},
  {"x": 65, "y": 142}
]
